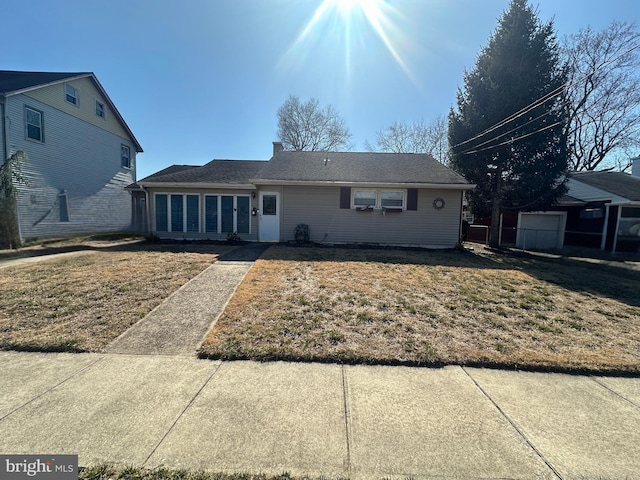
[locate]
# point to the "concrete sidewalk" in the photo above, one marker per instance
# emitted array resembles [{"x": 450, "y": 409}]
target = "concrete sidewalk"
[
  {"x": 178, "y": 325},
  {"x": 319, "y": 419}
]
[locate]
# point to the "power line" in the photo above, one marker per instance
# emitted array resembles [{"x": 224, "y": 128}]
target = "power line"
[{"x": 536, "y": 103}]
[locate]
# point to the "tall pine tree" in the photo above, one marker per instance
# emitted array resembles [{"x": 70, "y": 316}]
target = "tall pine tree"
[{"x": 507, "y": 133}]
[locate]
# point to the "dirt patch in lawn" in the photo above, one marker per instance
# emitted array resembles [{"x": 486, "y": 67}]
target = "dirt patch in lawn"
[
  {"x": 419, "y": 307},
  {"x": 81, "y": 303}
]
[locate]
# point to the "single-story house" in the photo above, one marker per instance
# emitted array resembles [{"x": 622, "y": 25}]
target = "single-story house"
[
  {"x": 343, "y": 197},
  {"x": 600, "y": 210}
]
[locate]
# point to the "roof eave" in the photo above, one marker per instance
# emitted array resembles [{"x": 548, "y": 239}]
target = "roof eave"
[
  {"x": 48, "y": 84},
  {"x": 444, "y": 186},
  {"x": 99, "y": 86},
  {"x": 237, "y": 186}
]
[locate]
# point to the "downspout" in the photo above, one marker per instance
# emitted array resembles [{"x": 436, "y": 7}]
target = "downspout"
[
  {"x": 461, "y": 218},
  {"x": 147, "y": 208}
]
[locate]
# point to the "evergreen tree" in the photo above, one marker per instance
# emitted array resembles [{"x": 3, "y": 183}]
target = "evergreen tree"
[{"x": 507, "y": 133}]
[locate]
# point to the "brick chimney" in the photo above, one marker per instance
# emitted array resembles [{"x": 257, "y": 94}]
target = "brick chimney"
[
  {"x": 277, "y": 147},
  {"x": 635, "y": 167}
]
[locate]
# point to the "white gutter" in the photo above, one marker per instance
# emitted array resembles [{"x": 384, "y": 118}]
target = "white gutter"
[
  {"x": 443, "y": 186},
  {"x": 239, "y": 186}
]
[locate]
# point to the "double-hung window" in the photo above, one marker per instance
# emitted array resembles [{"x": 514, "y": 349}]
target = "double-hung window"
[
  {"x": 364, "y": 198},
  {"x": 392, "y": 199},
  {"x": 100, "y": 109},
  {"x": 379, "y": 198},
  {"x": 125, "y": 156},
  {"x": 71, "y": 94},
  {"x": 34, "y": 124}
]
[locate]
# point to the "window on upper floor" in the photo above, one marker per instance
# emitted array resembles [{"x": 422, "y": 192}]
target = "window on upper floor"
[
  {"x": 125, "y": 156},
  {"x": 100, "y": 109},
  {"x": 33, "y": 124},
  {"x": 71, "y": 94}
]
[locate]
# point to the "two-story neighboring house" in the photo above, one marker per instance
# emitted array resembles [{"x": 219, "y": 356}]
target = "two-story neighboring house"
[{"x": 81, "y": 153}]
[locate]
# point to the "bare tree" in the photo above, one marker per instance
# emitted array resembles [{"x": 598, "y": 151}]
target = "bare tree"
[
  {"x": 308, "y": 126},
  {"x": 604, "y": 96},
  {"x": 415, "y": 137}
]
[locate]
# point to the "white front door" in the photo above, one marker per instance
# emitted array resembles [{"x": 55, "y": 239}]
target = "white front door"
[{"x": 269, "y": 217}]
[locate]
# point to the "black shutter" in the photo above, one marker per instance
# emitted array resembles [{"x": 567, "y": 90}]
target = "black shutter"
[
  {"x": 345, "y": 197},
  {"x": 412, "y": 199}
]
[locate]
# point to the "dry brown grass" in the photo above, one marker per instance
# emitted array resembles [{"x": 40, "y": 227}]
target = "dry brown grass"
[
  {"x": 432, "y": 308},
  {"x": 82, "y": 303}
]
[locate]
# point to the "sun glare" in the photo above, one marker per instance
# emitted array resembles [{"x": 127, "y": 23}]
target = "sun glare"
[{"x": 347, "y": 20}]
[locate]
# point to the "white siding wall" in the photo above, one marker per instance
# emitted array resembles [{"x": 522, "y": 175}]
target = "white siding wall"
[
  {"x": 319, "y": 207},
  {"x": 76, "y": 157}
]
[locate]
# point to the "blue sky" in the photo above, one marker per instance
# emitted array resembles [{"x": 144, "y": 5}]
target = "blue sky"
[{"x": 203, "y": 79}]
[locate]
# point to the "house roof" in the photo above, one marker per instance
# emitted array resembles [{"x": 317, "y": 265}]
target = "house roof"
[
  {"x": 617, "y": 183},
  {"x": 357, "y": 168},
  {"x": 14, "y": 82},
  {"x": 232, "y": 172}
]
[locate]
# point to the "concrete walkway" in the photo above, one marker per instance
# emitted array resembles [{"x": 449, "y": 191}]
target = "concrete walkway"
[
  {"x": 178, "y": 325},
  {"x": 358, "y": 421}
]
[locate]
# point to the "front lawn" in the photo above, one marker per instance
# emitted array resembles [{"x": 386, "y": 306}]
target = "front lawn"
[
  {"x": 82, "y": 303},
  {"x": 419, "y": 307}
]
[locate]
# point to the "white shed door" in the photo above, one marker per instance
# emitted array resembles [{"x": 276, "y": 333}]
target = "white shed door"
[{"x": 269, "y": 217}]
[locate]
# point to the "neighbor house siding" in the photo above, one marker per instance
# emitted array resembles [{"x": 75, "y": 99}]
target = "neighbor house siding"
[
  {"x": 54, "y": 96},
  {"x": 202, "y": 193},
  {"x": 77, "y": 158},
  {"x": 319, "y": 207}
]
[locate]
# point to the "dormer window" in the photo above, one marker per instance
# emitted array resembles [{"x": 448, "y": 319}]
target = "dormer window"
[{"x": 71, "y": 94}]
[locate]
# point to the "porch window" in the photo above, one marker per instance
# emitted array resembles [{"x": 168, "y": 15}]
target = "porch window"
[
  {"x": 162, "y": 217},
  {"x": 227, "y": 213},
  {"x": 211, "y": 214},
  {"x": 177, "y": 213},
  {"x": 243, "y": 212},
  {"x": 193, "y": 213}
]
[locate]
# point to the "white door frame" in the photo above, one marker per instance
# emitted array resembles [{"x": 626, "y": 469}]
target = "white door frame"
[{"x": 269, "y": 225}]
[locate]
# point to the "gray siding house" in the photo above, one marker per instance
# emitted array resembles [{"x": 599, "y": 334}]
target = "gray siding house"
[
  {"x": 343, "y": 197},
  {"x": 81, "y": 153}
]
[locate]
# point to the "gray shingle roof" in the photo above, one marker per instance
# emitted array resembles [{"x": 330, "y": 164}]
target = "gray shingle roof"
[
  {"x": 217, "y": 171},
  {"x": 357, "y": 167},
  {"x": 618, "y": 183},
  {"x": 11, "y": 80}
]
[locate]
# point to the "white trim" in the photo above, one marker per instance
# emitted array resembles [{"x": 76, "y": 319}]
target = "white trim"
[
  {"x": 287, "y": 183},
  {"x": 76, "y": 95},
  {"x": 198, "y": 185}
]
